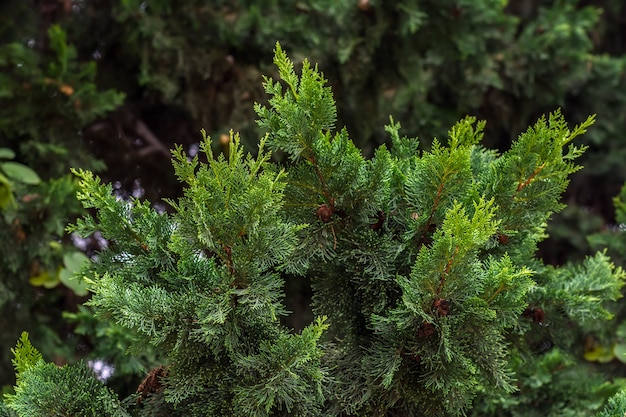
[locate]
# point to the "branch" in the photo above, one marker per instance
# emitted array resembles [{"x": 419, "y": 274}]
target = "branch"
[
  {"x": 154, "y": 144},
  {"x": 329, "y": 199},
  {"x": 529, "y": 179},
  {"x": 434, "y": 208},
  {"x": 446, "y": 271}
]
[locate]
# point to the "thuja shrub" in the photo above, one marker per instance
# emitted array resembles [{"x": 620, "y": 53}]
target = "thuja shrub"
[{"x": 428, "y": 297}]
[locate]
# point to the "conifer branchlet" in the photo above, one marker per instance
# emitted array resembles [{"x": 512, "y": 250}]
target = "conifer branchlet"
[{"x": 428, "y": 294}]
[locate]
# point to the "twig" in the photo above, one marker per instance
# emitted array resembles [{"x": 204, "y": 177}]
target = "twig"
[
  {"x": 154, "y": 144},
  {"x": 529, "y": 179}
]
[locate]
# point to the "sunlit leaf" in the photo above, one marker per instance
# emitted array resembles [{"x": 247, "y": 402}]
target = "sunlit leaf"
[
  {"x": 600, "y": 354},
  {"x": 44, "y": 279}
]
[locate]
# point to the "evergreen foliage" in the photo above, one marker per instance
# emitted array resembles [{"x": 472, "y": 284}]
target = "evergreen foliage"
[
  {"x": 225, "y": 245},
  {"x": 43, "y": 389},
  {"x": 45, "y": 100},
  {"x": 616, "y": 406},
  {"x": 613, "y": 237},
  {"x": 429, "y": 297},
  {"x": 608, "y": 343},
  {"x": 66, "y": 97}
]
